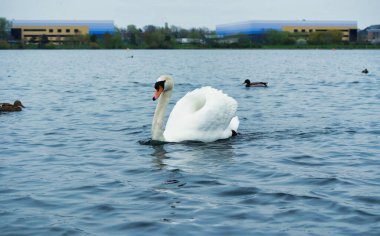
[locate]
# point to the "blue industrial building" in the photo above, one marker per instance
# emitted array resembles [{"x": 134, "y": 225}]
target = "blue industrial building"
[{"x": 259, "y": 27}]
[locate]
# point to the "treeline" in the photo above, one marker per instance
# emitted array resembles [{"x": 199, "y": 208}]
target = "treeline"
[
  {"x": 154, "y": 37},
  {"x": 174, "y": 37},
  {"x": 314, "y": 38},
  {"x": 5, "y": 27}
]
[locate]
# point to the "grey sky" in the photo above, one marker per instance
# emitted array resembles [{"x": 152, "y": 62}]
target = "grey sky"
[{"x": 192, "y": 13}]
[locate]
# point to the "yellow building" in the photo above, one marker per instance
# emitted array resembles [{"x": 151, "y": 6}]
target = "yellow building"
[
  {"x": 58, "y": 31},
  {"x": 55, "y": 34},
  {"x": 346, "y": 30}
]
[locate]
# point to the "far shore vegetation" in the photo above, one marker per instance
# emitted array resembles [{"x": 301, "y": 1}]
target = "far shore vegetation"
[{"x": 174, "y": 37}]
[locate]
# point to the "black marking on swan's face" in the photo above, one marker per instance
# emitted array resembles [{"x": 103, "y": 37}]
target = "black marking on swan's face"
[
  {"x": 160, "y": 87},
  {"x": 158, "y": 84}
]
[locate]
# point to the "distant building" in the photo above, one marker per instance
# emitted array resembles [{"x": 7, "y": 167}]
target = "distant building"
[
  {"x": 57, "y": 31},
  {"x": 189, "y": 41},
  {"x": 371, "y": 34},
  {"x": 257, "y": 28},
  {"x": 374, "y": 36}
]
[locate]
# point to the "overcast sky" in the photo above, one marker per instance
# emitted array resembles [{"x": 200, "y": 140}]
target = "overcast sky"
[{"x": 192, "y": 13}]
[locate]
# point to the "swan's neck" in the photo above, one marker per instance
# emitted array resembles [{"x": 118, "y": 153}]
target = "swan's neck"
[{"x": 158, "y": 119}]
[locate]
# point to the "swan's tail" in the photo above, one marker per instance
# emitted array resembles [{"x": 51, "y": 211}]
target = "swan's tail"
[{"x": 234, "y": 124}]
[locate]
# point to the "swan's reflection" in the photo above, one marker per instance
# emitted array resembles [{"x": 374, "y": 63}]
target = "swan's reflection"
[
  {"x": 215, "y": 153},
  {"x": 159, "y": 153},
  {"x": 192, "y": 155}
]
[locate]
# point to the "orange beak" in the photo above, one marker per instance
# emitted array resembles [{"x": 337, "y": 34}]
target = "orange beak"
[{"x": 158, "y": 92}]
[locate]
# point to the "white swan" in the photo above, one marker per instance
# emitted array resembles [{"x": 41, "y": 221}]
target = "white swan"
[{"x": 205, "y": 114}]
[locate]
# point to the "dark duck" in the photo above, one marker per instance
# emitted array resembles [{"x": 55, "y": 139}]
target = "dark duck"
[
  {"x": 365, "y": 71},
  {"x": 248, "y": 83},
  {"x": 7, "y": 107}
]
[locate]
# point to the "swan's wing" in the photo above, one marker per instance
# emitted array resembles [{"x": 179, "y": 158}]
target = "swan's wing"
[{"x": 204, "y": 114}]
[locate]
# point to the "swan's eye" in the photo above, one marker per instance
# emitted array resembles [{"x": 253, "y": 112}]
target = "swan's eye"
[{"x": 158, "y": 84}]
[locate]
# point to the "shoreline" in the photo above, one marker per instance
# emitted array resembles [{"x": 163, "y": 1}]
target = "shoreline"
[
  {"x": 263, "y": 48},
  {"x": 200, "y": 47}
]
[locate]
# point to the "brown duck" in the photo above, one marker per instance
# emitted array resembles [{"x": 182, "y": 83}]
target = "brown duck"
[
  {"x": 7, "y": 107},
  {"x": 248, "y": 83}
]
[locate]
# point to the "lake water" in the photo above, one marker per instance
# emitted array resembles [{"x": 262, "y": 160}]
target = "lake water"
[{"x": 78, "y": 159}]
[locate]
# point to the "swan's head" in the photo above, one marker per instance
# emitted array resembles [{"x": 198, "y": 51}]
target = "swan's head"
[{"x": 164, "y": 83}]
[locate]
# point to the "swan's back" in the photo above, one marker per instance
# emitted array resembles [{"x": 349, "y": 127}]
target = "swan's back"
[{"x": 203, "y": 114}]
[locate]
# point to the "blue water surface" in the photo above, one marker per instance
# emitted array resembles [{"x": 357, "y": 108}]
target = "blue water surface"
[{"x": 78, "y": 160}]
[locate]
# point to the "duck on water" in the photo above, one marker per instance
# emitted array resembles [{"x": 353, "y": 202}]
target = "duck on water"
[
  {"x": 7, "y": 107},
  {"x": 248, "y": 83}
]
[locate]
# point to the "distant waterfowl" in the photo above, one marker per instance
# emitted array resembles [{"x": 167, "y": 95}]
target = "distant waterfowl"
[
  {"x": 248, "y": 83},
  {"x": 204, "y": 114},
  {"x": 7, "y": 107},
  {"x": 365, "y": 71}
]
